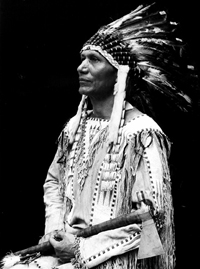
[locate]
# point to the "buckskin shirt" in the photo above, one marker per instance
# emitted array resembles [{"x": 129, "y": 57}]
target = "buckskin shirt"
[{"x": 88, "y": 183}]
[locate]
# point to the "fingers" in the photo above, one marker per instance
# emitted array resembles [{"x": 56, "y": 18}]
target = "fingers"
[
  {"x": 56, "y": 238},
  {"x": 63, "y": 244}
]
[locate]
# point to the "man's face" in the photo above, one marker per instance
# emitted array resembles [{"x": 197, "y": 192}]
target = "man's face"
[{"x": 96, "y": 75}]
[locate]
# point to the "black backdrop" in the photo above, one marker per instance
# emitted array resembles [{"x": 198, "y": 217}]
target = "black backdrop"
[{"x": 40, "y": 42}]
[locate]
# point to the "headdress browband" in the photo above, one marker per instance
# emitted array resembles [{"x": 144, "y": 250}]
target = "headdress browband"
[{"x": 104, "y": 53}]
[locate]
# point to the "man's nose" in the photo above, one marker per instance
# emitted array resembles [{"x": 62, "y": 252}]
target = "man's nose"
[{"x": 83, "y": 67}]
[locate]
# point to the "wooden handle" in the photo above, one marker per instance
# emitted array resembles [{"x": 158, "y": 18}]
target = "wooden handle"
[
  {"x": 43, "y": 247},
  {"x": 115, "y": 223}
]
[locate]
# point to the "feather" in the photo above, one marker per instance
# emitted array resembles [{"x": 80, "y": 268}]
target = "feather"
[{"x": 9, "y": 261}]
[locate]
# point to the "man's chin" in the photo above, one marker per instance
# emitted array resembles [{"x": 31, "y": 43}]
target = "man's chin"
[{"x": 84, "y": 90}]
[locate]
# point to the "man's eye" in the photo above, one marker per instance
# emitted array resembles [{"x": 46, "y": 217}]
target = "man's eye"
[{"x": 94, "y": 59}]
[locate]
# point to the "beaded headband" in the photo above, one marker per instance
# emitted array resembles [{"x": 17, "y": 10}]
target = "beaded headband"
[{"x": 104, "y": 53}]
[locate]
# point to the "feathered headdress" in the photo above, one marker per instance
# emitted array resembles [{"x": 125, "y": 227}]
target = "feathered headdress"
[{"x": 144, "y": 45}]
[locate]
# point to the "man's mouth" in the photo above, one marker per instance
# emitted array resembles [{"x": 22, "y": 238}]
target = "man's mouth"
[{"x": 84, "y": 81}]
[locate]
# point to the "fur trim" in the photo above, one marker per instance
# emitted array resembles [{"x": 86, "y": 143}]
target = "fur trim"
[{"x": 119, "y": 96}]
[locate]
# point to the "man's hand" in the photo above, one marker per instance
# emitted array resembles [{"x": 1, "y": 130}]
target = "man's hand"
[{"x": 63, "y": 244}]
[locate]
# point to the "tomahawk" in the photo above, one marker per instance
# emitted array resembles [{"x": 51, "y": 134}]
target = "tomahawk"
[{"x": 150, "y": 244}]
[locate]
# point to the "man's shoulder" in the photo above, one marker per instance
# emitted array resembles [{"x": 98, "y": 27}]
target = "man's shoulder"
[{"x": 136, "y": 121}]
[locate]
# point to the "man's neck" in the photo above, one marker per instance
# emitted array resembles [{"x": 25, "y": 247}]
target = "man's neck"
[{"x": 102, "y": 108}]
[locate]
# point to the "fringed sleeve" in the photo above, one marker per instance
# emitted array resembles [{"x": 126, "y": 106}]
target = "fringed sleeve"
[
  {"x": 98, "y": 251},
  {"x": 152, "y": 186},
  {"x": 152, "y": 172},
  {"x": 55, "y": 202}
]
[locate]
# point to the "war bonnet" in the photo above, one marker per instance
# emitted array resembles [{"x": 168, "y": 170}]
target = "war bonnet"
[{"x": 141, "y": 45}]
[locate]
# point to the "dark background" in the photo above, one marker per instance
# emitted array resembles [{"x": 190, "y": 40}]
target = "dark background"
[{"x": 40, "y": 42}]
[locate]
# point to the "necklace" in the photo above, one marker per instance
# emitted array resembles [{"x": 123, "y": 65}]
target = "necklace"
[{"x": 91, "y": 134}]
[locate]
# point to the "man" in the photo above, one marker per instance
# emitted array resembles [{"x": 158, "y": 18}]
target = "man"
[{"x": 113, "y": 159}]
